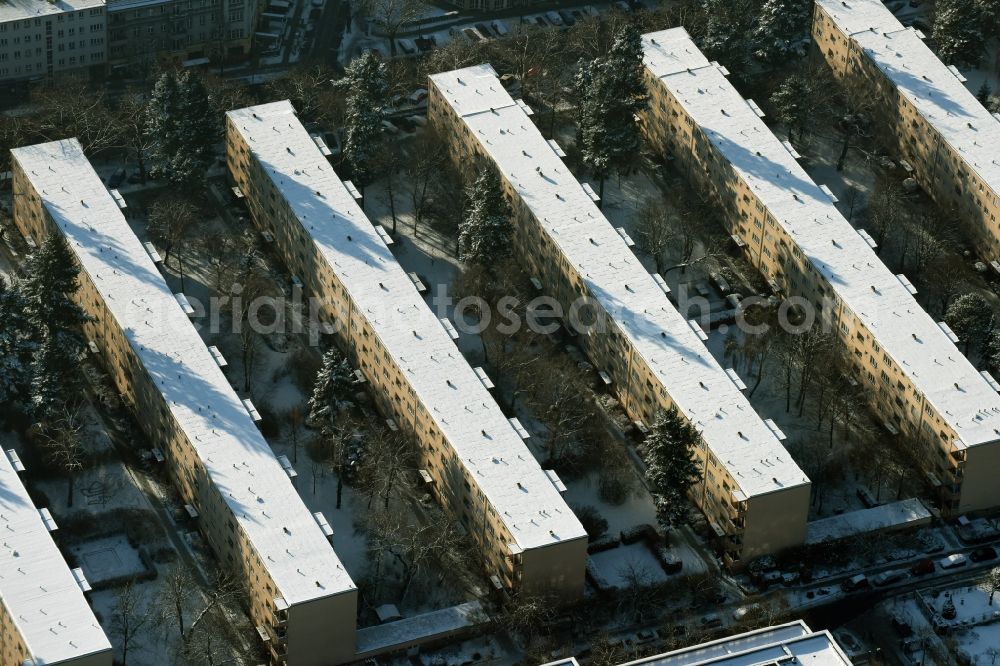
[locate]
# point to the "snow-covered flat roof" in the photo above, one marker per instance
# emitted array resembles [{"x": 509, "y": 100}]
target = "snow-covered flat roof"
[
  {"x": 857, "y": 15},
  {"x": 794, "y": 642},
  {"x": 895, "y": 515},
  {"x": 40, "y": 593},
  {"x": 437, "y": 625},
  {"x": 239, "y": 461},
  {"x": 17, "y": 10},
  {"x": 615, "y": 277},
  {"x": 489, "y": 447},
  {"x": 924, "y": 352}
]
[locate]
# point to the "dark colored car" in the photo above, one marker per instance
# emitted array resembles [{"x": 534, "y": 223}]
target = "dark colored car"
[
  {"x": 922, "y": 568},
  {"x": 117, "y": 178},
  {"x": 983, "y": 553}
]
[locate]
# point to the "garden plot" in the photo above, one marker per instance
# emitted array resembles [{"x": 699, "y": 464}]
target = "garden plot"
[{"x": 109, "y": 559}]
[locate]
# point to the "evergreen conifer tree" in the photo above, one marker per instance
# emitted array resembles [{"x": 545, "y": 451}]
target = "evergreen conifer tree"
[
  {"x": 182, "y": 129},
  {"x": 670, "y": 466},
  {"x": 332, "y": 390},
  {"x": 780, "y": 23},
  {"x": 484, "y": 235},
  {"x": 16, "y": 343},
  {"x": 958, "y": 33},
  {"x": 366, "y": 86},
  {"x": 610, "y": 92}
]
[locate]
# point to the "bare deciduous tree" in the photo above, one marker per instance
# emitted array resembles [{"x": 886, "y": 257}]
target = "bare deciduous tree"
[
  {"x": 62, "y": 445},
  {"x": 391, "y": 16},
  {"x": 172, "y": 218},
  {"x": 130, "y": 616}
]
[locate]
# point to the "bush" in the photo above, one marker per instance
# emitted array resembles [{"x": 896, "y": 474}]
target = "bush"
[
  {"x": 612, "y": 487},
  {"x": 592, "y": 520}
]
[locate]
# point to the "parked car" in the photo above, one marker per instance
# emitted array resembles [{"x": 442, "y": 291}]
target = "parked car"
[
  {"x": 553, "y": 18},
  {"x": 888, "y": 577},
  {"x": 983, "y": 554},
  {"x": 117, "y": 178},
  {"x": 711, "y": 621},
  {"x": 953, "y": 561},
  {"x": 854, "y": 583},
  {"x": 922, "y": 568}
]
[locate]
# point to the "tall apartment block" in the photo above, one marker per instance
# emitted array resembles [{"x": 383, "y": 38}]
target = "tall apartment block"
[
  {"x": 39, "y": 38},
  {"x": 44, "y": 616},
  {"x": 752, "y": 493},
  {"x": 479, "y": 467},
  {"x": 301, "y": 599},
  {"x": 916, "y": 377},
  {"x": 186, "y": 31},
  {"x": 923, "y": 109}
]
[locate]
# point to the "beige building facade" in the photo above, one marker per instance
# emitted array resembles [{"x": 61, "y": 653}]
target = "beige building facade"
[
  {"x": 752, "y": 493},
  {"x": 923, "y": 111},
  {"x": 301, "y": 599},
  {"x": 790, "y": 229},
  {"x": 476, "y": 462}
]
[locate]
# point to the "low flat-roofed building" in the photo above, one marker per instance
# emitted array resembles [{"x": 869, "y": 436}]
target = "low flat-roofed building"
[
  {"x": 301, "y": 597},
  {"x": 39, "y": 38},
  {"x": 752, "y": 492},
  {"x": 44, "y": 616},
  {"x": 916, "y": 377},
  {"x": 923, "y": 110},
  {"x": 792, "y": 643},
  {"x": 479, "y": 466}
]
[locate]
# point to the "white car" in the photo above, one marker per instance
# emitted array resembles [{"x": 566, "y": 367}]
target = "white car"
[
  {"x": 553, "y": 18},
  {"x": 888, "y": 577},
  {"x": 952, "y": 561}
]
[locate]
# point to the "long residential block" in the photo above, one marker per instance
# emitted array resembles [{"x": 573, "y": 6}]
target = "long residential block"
[
  {"x": 923, "y": 109},
  {"x": 479, "y": 467},
  {"x": 188, "y": 32},
  {"x": 302, "y": 600},
  {"x": 751, "y": 491},
  {"x": 790, "y": 229},
  {"x": 39, "y": 38},
  {"x": 44, "y": 616},
  {"x": 791, "y": 643}
]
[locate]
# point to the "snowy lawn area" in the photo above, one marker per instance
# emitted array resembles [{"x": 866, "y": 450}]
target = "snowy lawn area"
[
  {"x": 625, "y": 566},
  {"x": 980, "y": 645},
  {"x": 637, "y": 509}
]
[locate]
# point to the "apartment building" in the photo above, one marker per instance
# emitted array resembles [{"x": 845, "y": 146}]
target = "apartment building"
[
  {"x": 791, "y": 643},
  {"x": 39, "y": 38},
  {"x": 752, "y": 493},
  {"x": 189, "y": 32},
  {"x": 44, "y": 616},
  {"x": 479, "y": 468},
  {"x": 301, "y": 599},
  {"x": 790, "y": 229},
  {"x": 924, "y": 111}
]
